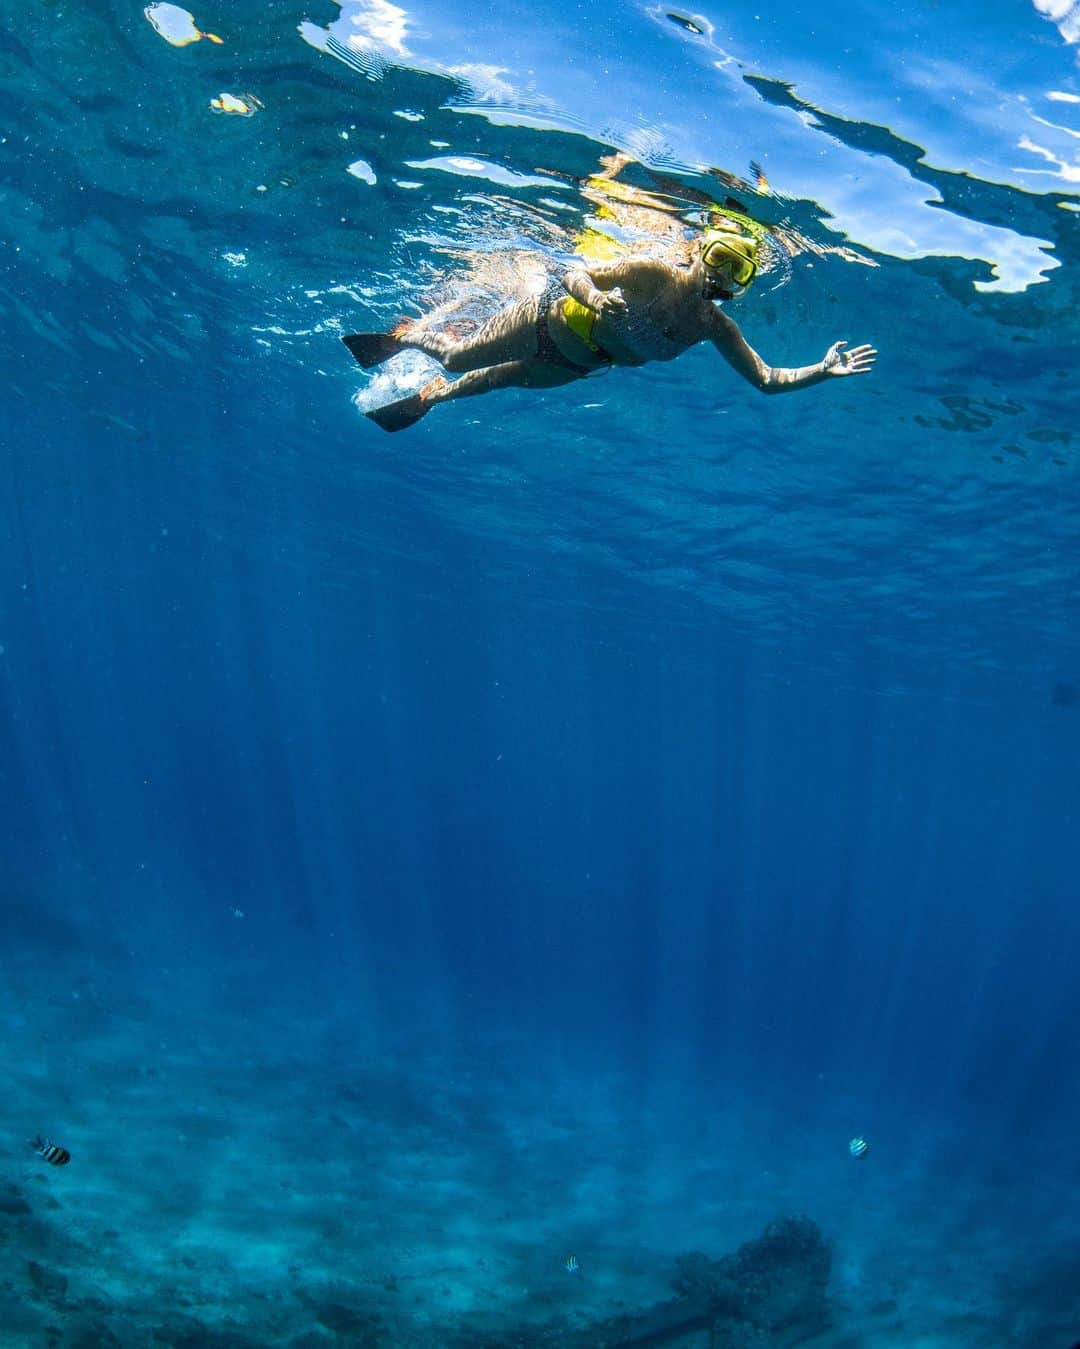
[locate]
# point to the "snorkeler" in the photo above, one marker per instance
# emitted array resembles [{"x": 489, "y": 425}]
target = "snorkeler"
[{"x": 627, "y": 312}]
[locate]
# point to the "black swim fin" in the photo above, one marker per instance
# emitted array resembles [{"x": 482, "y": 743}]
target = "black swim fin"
[
  {"x": 372, "y": 348},
  {"x": 397, "y": 416}
]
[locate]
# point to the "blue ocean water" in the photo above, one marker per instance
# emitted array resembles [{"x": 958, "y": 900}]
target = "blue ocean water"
[{"x": 560, "y": 829}]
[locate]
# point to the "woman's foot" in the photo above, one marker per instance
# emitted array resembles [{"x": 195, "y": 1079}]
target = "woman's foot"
[{"x": 435, "y": 390}]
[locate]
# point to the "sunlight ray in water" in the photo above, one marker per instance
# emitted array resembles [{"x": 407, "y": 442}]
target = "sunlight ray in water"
[{"x": 500, "y": 811}]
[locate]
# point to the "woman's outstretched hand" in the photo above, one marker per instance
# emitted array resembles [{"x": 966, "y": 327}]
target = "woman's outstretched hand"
[{"x": 857, "y": 361}]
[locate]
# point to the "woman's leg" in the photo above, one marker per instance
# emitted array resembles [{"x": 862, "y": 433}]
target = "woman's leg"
[
  {"x": 530, "y": 374},
  {"x": 508, "y": 336}
]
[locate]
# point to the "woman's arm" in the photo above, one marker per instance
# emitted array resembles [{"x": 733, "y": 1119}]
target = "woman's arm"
[{"x": 742, "y": 357}]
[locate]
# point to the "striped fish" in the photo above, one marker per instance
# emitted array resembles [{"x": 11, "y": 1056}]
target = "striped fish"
[{"x": 51, "y": 1152}]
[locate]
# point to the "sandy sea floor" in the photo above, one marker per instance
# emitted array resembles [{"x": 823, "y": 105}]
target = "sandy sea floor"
[{"x": 238, "y": 1180}]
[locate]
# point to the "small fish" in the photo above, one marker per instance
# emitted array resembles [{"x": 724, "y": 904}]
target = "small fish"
[
  {"x": 571, "y": 1264},
  {"x": 51, "y": 1152},
  {"x": 858, "y": 1147}
]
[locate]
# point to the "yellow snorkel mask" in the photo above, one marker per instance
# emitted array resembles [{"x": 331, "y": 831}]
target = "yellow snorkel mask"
[{"x": 730, "y": 259}]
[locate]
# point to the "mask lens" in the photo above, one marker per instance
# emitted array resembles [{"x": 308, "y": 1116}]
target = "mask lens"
[
  {"x": 743, "y": 272},
  {"x": 717, "y": 257}
]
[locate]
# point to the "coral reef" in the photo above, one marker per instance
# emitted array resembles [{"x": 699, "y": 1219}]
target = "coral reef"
[
  {"x": 773, "y": 1287},
  {"x": 771, "y": 1292}
]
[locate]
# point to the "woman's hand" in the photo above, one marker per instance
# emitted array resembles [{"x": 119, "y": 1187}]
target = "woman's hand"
[
  {"x": 609, "y": 302},
  {"x": 857, "y": 361}
]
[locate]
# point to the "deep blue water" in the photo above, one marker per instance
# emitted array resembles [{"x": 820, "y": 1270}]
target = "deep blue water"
[{"x": 560, "y": 828}]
